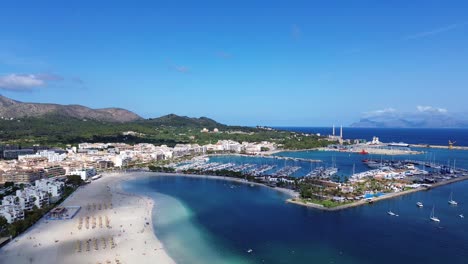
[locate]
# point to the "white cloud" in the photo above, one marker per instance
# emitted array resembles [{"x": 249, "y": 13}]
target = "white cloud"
[
  {"x": 27, "y": 82},
  {"x": 430, "y": 109},
  {"x": 380, "y": 112},
  {"x": 20, "y": 82}
]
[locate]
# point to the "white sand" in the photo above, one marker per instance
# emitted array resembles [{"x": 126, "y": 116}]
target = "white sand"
[{"x": 56, "y": 241}]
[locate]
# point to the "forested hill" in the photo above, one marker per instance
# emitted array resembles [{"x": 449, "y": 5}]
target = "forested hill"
[
  {"x": 57, "y": 130},
  {"x": 183, "y": 121},
  {"x": 56, "y": 126}
]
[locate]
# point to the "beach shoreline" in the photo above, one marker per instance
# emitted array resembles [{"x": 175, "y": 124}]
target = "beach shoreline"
[
  {"x": 129, "y": 238},
  {"x": 288, "y": 192}
]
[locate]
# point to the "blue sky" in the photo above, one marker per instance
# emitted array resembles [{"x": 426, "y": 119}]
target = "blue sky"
[{"x": 304, "y": 63}]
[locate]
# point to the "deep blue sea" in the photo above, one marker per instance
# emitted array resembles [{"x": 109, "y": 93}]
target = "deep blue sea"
[
  {"x": 216, "y": 221},
  {"x": 432, "y": 136}
]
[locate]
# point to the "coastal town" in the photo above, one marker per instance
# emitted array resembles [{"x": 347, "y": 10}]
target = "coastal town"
[
  {"x": 78, "y": 187},
  {"x": 33, "y": 176}
]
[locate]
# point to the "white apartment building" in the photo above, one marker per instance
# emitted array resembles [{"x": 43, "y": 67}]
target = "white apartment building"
[
  {"x": 93, "y": 146},
  {"x": 55, "y": 188},
  {"x": 85, "y": 173},
  {"x": 52, "y": 156},
  {"x": 11, "y": 213},
  {"x": 182, "y": 149},
  {"x": 26, "y": 201},
  {"x": 39, "y": 198},
  {"x": 230, "y": 145},
  {"x": 11, "y": 200},
  {"x": 166, "y": 151}
]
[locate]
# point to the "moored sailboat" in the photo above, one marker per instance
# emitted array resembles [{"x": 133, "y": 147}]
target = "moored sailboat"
[
  {"x": 433, "y": 217},
  {"x": 451, "y": 201}
]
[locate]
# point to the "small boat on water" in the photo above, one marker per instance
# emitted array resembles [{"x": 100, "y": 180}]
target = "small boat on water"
[
  {"x": 451, "y": 201},
  {"x": 419, "y": 204},
  {"x": 461, "y": 216},
  {"x": 433, "y": 217},
  {"x": 250, "y": 250},
  {"x": 391, "y": 213}
]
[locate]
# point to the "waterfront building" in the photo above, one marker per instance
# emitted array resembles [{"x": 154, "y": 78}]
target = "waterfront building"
[
  {"x": 38, "y": 197},
  {"x": 230, "y": 145},
  {"x": 11, "y": 200},
  {"x": 181, "y": 150},
  {"x": 104, "y": 164},
  {"x": 84, "y": 173},
  {"x": 53, "y": 187},
  {"x": 121, "y": 160},
  {"x": 11, "y": 213},
  {"x": 26, "y": 200}
]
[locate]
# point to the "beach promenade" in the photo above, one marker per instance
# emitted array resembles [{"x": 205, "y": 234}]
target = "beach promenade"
[{"x": 111, "y": 227}]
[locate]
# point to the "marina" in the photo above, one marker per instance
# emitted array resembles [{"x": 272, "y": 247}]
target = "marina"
[
  {"x": 339, "y": 174},
  {"x": 251, "y": 165}
]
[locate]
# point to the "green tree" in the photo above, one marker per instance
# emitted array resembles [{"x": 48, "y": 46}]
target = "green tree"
[
  {"x": 3, "y": 224},
  {"x": 9, "y": 184},
  {"x": 75, "y": 180}
]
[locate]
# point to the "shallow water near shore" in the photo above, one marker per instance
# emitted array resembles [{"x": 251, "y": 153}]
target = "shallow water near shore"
[{"x": 215, "y": 221}]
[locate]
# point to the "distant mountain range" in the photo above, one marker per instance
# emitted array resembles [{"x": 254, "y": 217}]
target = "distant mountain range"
[
  {"x": 39, "y": 123},
  {"x": 416, "y": 120},
  {"x": 10, "y": 108}
]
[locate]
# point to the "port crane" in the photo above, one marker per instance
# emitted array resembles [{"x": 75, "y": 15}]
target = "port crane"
[{"x": 451, "y": 143}]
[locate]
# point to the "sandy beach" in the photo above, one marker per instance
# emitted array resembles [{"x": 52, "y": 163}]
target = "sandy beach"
[{"x": 111, "y": 227}]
